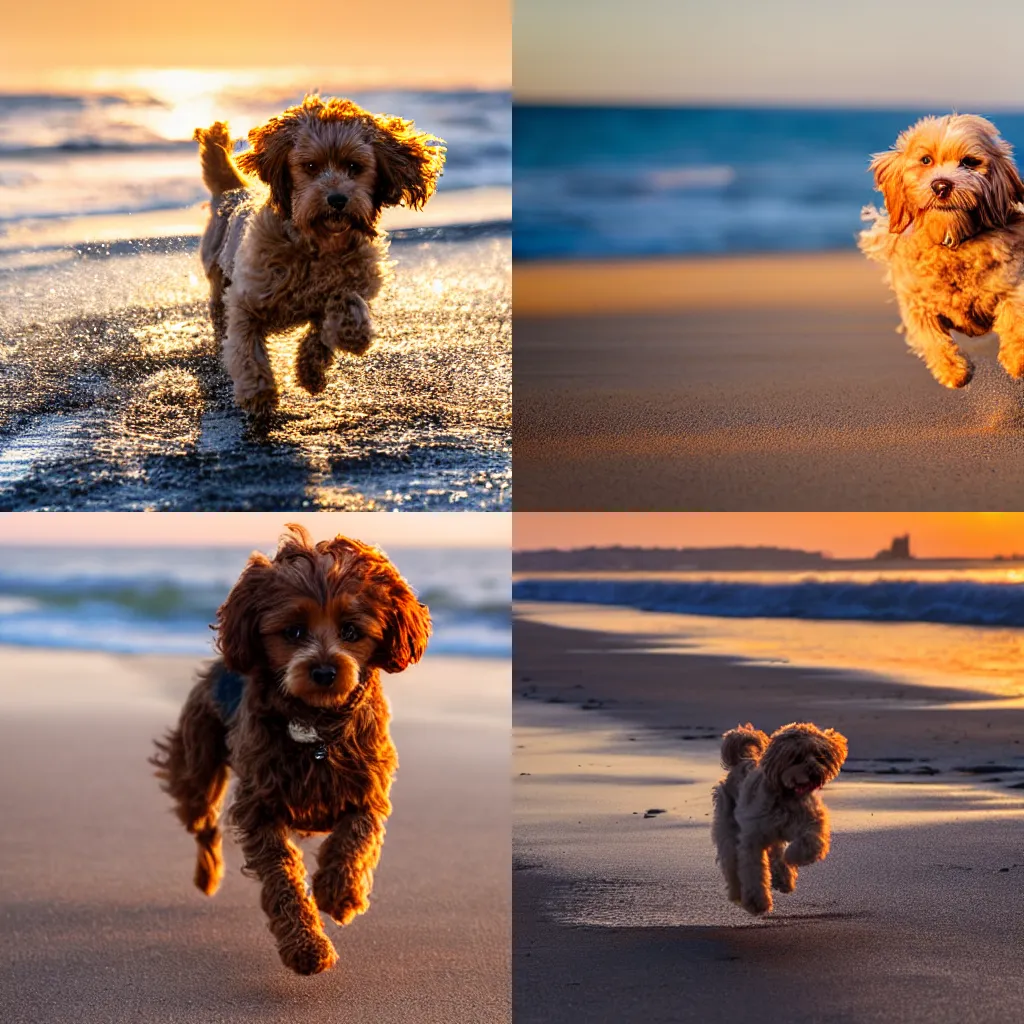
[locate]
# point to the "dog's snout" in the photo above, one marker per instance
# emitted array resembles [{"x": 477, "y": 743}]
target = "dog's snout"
[
  {"x": 323, "y": 675},
  {"x": 336, "y": 201},
  {"x": 942, "y": 187}
]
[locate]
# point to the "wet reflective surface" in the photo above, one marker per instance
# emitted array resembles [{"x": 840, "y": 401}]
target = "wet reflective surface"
[{"x": 112, "y": 395}]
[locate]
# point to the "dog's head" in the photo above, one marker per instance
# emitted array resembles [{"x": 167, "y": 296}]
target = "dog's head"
[
  {"x": 332, "y": 167},
  {"x": 317, "y": 617},
  {"x": 801, "y": 758},
  {"x": 952, "y": 175}
]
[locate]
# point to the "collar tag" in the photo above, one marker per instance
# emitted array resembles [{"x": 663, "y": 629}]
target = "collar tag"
[{"x": 303, "y": 733}]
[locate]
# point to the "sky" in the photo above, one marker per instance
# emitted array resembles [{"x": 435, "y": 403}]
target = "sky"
[
  {"x": 446, "y": 43},
  {"x": 842, "y": 534},
  {"x": 255, "y": 529},
  {"x": 935, "y": 55}
]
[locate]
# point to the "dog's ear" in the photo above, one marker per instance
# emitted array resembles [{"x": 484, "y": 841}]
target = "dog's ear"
[
  {"x": 838, "y": 747},
  {"x": 1003, "y": 187},
  {"x": 409, "y": 163},
  {"x": 271, "y": 143},
  {"x": 406, "y": 629},
  {"x": 888, "y": 171},
  {"x": 238, "y": 618}
]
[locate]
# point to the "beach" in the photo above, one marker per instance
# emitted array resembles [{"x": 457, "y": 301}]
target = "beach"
[
  {"x": 102, "y": 923},
  {"x": 619, "y": 910},
  {"x": 112, "y": 392},
  {"x": 746, "y": 383}
]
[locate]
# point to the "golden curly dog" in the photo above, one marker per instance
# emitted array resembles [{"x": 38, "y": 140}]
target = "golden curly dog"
[
  {"x": 306, "y": 252},
  {"x": 296, "y": 710},
  {"x": 769, "y": 799},
  {"x": 952, "y": 238}
]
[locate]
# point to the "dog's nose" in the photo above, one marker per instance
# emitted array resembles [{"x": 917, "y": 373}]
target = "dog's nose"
[
  {"x": 323, "y": 675},
  {"x": 337, "y": 201},
  {"x": 942, "y": 187}
]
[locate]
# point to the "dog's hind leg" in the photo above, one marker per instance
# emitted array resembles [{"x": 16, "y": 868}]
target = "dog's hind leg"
[
  {"x": 1009, "y": 325},
  {"x": 755, "y": 876},
  {"x": 725, "y": 836},
  {"x": 783, "y": 874},
  {"x": 192, "y": 764}
]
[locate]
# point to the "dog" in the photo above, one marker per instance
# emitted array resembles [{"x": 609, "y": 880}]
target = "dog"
[
  {"x": 295, "y": 709},
  {"x": 952, "y": 239},
  {"x": 769, "y": 799},
  {"x": 305, "y": 250}
]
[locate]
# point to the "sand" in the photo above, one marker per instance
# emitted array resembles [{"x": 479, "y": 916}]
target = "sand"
[
  {"x": 101, "y": 923},
  {"x": 746, "y": 383},
  {"x": 112, "y": 395},
  {"x": 619, "y": 916}
]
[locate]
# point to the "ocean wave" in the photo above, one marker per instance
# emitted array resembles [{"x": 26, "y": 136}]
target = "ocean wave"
[{"x": 949, "y": 602}]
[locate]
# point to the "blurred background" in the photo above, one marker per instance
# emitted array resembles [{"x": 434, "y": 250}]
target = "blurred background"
[
  {"x": 129, "y": 584},
  {"x": 691, "y": 128}
]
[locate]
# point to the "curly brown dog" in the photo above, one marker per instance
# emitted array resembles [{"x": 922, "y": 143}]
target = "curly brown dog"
[
  {"x": 306, "y": 252},
  {"x": 296, "y": 710},
  {"x": 952, "y": 239},
  {"x": 769, "y": 799}
]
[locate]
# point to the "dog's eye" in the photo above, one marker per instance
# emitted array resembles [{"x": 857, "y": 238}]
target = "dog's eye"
[
  {"x": 349, "y": 633},
  {"x": 311, "y": 167},
  {"x": 354, "y": 169},
  {"x": 970, "y": 162},
  {"x": 295, "y": 633},
  {"x": 926, "y": 160}
]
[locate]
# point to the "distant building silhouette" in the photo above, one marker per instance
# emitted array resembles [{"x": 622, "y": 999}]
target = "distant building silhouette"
[{"x": 898, "y": 550}]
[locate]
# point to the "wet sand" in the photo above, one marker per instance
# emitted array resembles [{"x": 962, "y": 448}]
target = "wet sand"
[
  {"x": 112, "y": 396},
  {"x": 101, "y": 923},
  {"x": 620, "y": 915},
  {"x": 746, "y": 383}
]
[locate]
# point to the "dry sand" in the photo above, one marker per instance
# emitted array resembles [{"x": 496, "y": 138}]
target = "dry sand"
[
  {"x": 100, "y": 922},
  {"x": 746, "y": 383},
  {"x": 915, "y": 916}
]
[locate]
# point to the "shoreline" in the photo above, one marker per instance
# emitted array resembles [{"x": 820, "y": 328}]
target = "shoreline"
[{"x": 619, "y": 911}]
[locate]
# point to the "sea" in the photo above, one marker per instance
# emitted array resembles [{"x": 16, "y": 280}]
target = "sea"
[
  {"x": 960, "y": 627},
  {"x": 163, "y": 600},
  {"x": 605, "y": 182},
  {"x": 120, "y": 143}
]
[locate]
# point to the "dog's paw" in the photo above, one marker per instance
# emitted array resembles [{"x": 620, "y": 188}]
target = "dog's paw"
[
  {"x": 783, "y": 878},
  {"x": 953, "y": 370},
  {"x": 342, "y": 900},
  {"x": 259, "y": 401},
  {"x": 312, "y": 954},
  {"x": 1011, "y": 358},
  {"x": 757, "y": 903},
  {"x": 313, "y": 361}
]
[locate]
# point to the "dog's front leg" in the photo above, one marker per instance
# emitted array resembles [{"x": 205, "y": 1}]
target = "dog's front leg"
[
  {"x": 935, "y": 345},
  {"x": 1009, "y": 325},
  {"x": 348, "y": 325},
  {"x": 783, "y": 874},
  {"x": 246, "y": 358},
  {"x": 294, "y": 922},
  {"x": 346, "y": 861},
  {"x": 812, "y": 841},
  {"x": 755, "y": 878}
]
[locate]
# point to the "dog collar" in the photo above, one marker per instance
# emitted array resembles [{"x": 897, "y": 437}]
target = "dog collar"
[{"x": 302, "y": 733}]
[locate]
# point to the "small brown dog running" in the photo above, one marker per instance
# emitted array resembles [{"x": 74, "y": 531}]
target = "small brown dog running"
[
  {"x": 296, "y": 710},
  {"x": 952, "y": 238},
  {"x": 769, "y": 799},
  {"x": 307, "y": 251}
]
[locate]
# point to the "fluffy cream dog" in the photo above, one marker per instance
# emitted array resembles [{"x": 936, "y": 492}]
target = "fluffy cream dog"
[
  {"x": 305, "y": 250},
  {"x": 769, "y": 799},
  {"x": 952, "y": 238}
]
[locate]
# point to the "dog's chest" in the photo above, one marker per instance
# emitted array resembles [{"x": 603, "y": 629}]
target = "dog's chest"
[{"x": 962, "y": 286}]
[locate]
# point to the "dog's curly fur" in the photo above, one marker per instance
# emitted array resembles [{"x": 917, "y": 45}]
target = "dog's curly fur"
[
  {"x": 769, "y": 799},
  {"x": 305, "y": 250},
  {"x": 952, "y": 239},
  {"x": 338, "y": 609}
]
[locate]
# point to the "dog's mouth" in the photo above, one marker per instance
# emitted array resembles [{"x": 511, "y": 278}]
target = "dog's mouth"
[
  {"x": 807, "y": 787},
  {"x": 334, "y": 221}
]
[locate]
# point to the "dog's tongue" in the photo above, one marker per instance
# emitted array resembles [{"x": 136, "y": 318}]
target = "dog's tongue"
[{"x": 803, "y": 790}]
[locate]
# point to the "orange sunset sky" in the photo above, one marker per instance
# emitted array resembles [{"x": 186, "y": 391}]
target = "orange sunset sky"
[
  {"x": 254, "y": 529},
  {"x": 842, "y": 534},
  {"x": 444, "y": 44}
]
